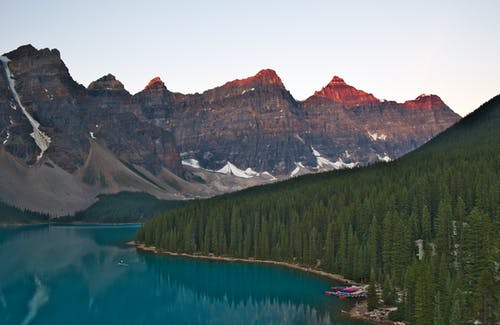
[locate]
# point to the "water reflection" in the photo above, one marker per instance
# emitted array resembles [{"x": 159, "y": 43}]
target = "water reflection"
[
  {"x": 71, "y": 275},
  {"x": 47, "y": 252}
]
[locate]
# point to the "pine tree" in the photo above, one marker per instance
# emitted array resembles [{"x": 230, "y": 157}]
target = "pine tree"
[{"x": 372, "y": 292}]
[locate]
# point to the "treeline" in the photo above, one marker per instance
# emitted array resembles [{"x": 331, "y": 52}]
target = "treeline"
[
  {"x": 13, "y": 215},
  {"x": 124, "y": 207},
  {"x": 425, "y": 227}
]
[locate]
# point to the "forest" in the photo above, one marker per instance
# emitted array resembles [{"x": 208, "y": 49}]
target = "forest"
[
  {"x": 425, "y": 227},
  {"x": 123, "y": 207}
]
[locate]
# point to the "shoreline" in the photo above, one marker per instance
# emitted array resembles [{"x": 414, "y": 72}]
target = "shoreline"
[
  {"x": 358, "y": 311},
  {"x": 331, "y": 276},
  {"x": 70, "y": 224}
]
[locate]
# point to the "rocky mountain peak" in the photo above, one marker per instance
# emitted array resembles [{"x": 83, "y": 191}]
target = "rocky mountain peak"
[
  {"x": 425, "y": 102},
  {"x": 155, "y": 83},
  {"x": 21, "y": 51},
  {"x": 339, "y": 91},
  {"x": 265, "y": 77},
  {"x": 268, "y": 76},
  {"x": 108, "y": 83},
  {"x": 29, "y": 51},
  {"x": 336, "y": 81}
]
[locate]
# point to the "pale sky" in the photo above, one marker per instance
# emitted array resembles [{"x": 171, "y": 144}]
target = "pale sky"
[{"x": 393, "y": 49}]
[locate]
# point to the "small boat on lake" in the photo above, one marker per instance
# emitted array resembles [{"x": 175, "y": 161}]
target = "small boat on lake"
[
  {"x": 347, "y": 292},
  {"x": 122, "y": 263}
]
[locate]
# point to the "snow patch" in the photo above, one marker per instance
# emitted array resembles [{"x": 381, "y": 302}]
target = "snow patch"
[
  {"x": 247, "y": 91},
  {"x": 384, "y": 158},
  {"x": 267, "y": 174},
  {"x": 230, "y": 169},
  {"x": 191, "y": 163},
  {"x": 297, "y": 169},
  {"x": 250, "y": 172},
  {"x": 339, "y": 164},
  {"x": 375, "y": 136},
  {"x": 347, "y": 154},
  {"x": 299, "y": 138},
  {"x": 322, "y": 162},
  {"x": 92, "y": 135},
  {"x": 41, "y": 139},
  {"x": 6, "y": 138}
]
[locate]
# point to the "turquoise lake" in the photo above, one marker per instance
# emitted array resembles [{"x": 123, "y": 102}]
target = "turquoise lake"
[{"x": 72, "y": 275}]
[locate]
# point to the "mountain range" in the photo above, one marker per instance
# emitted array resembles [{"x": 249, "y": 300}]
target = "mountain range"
[{"x": 62, "y": 144}]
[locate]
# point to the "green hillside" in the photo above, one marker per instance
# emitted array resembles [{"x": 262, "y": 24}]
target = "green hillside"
[{"x": 446, "y": 195}]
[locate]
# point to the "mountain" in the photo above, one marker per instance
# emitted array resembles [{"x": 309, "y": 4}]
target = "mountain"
[
  {"x": 252, "y": 123},
  {"x": 63, "y": 144},
  {"x": 255, "y": 123},
  {"x": 425, "y": 225},
  {"x": 351, "y": 124}
]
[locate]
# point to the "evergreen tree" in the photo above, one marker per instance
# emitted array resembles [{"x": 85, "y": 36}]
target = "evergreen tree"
[{"x": 372, "y": 292}]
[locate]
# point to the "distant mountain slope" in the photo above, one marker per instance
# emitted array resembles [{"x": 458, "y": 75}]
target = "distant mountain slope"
[{"x": 426, "y": 224}]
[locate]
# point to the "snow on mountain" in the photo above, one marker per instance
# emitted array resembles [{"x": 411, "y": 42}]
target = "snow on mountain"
[
  {"x": 297, "y": 169},
  {"x": 267, "y": 174},
  {"x": 230, "y": 169},
  {"x": 41, "y": 139},
  {"x": 250, "y": 172},
  {"x": 322, "y": 162},
  {"x": 6, "y": 138},
  {"x": 384, "y": 158},
  {"x": 191, "y": 163},
  {"x": 375, "y": 136}
]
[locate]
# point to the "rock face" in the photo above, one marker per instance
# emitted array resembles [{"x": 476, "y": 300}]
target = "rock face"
[
  {"x": 73, "y": 116},
  {"x": 344, "y": 121},
  {"x": 101, "y": 139},
  {"x": 255, "y": 123},
  {"x": 37, "y": 92}
]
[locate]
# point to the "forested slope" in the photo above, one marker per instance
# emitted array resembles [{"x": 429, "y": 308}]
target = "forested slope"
[{"x": 445, "y": 195}]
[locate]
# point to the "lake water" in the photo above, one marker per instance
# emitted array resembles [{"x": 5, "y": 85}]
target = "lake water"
[{"x": 72, "y": 275}]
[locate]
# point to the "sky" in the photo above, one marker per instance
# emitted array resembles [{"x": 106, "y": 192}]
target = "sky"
[{"x": 396, "y": 49}]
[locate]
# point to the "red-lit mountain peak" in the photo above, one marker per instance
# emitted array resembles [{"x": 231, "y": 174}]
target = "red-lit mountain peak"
[
  {"x": 264, "y": 77},
  {"x": 425, "y": 101},
  {"x": 336, "y": 81},
  {"x": 338, "y": 91},
  {"x": 268, "y": 76},
  {"x": 155, "y": 83}
]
